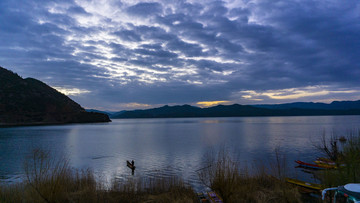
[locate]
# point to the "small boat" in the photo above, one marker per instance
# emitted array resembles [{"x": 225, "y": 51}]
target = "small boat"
[
  {"x": 311, "y": 186},
  {"x": 346, "y": 193},
  {"x": 130, "y": 165},
  {"x": 309, "y": 171},
  {"x": 202, "y": 197},
  {"x": 214, "y": 197},
  {"x": 329, "y": 163},
  {"x": 314, "y": 166},
  {"x": 342, "y": 139},
  {"x": 323, "y": 160}
]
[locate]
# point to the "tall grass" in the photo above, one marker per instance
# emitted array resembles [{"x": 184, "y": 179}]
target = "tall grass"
[
  {"x": 50, "y": 179},
  {"x": 348, "y": 162},
  {"x": 235, "y": 184},
  {"x": 169, "y": 189}
]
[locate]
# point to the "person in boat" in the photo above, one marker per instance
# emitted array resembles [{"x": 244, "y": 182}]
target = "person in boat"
[{"x": 132, "y": 163}]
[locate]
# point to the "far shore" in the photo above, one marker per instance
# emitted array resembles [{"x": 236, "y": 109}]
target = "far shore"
[{"x": 9, "y": 125}]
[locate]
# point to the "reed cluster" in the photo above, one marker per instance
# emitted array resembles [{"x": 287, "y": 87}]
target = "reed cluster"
[
  {"x": 50, "y": 179},
  {"x": 345, "y": 152},
  {"x": 236, "y": 184}
]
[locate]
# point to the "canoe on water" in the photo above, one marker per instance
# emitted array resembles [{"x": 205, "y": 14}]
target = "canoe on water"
[
  {"x": 328, "y": 165},
  {"x": 214, "y": 197},
  {"x": 313, "y": 166},
  {"x": 327, "y": 162},
  {"x": 131, "y": 166},
  {"x": 312, "y": 186},
  {"x": 318, "y": 162},
  {"x": 202, "y": 197},
  {"x": 323, "y": 160}
]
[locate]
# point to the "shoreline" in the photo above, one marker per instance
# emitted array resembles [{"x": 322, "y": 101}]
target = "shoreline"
[
  {"x": 236, "y": 116},
  {"x": 10, "y": 125}
]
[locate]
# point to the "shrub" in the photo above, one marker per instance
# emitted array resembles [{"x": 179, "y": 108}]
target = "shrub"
[
  {"x": 235, "y": 184},
  {"x": 348, "y": 162},
  {"x": 50, "y": 179}
]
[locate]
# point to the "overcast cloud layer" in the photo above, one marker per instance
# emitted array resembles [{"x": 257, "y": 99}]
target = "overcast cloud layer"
[{"x": 115, "y": 55}]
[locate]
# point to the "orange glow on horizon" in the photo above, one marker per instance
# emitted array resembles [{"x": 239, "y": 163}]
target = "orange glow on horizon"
[{"x": 211, "y": 103}]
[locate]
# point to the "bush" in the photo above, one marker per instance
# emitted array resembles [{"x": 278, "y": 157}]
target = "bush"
[
  {"x": 348, "y": 162},
  {"x": 50, "y": 179},
  {"x": 235, "y": 184}
]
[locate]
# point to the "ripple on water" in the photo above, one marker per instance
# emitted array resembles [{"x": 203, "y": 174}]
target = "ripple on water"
[{"x": 168, "y": 147}]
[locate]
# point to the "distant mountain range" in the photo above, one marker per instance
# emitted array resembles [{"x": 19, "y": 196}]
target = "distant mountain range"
[
  {"x": 290, "y": 109},
  {"x": 32, "y": 102},
  {"x": 335, "y": 105},
  {"x": 109, "y": 113}
]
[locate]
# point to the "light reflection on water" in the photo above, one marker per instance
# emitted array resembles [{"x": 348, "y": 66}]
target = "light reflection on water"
[{"x": 166, "y": 147}]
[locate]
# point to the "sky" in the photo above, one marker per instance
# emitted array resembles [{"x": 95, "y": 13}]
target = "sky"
[{"x": 116, "y": 55}]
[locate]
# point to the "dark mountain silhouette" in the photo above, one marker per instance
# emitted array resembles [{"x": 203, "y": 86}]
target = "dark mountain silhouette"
[
  {"x": 335, "y": 105},
  {"x": 337, "y": 108},
  {"x": 162, "y": 112},
  {"x": 109, "y": 113},
  {"x": 32, "y": 102}
]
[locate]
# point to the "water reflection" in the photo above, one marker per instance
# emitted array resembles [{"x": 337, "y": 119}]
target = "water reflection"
[{"x": 165, "y": 147}]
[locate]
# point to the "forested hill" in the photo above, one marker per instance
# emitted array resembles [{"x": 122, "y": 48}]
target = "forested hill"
[
  {"x": 335, "y": 105},
  {"x": 32, "y": 102},
  {"x": 236, "y": 110}
]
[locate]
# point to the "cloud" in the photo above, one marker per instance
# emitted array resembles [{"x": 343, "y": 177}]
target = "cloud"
[
  {"x": 145, "y": 9},
  {"x": 77, "y": 10},
  {"x": 128, "y": 35},
  {"x": 133, "y": 105},
  {"x": 186, "y": 51},
  {"x": 312, "y": 92},
  {"x": 71, "y": 91}
]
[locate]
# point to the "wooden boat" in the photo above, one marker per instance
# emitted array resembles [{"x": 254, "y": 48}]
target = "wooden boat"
[
  {"x": 202, "y": 197},
  {"x": 313, "y": 166},
  {"x": 311, "y": 186},
  {"x": 214, "y": 197},
  {"x": 342, "y": 139},
  {"x": 309, "y": 171},
  {"x": 330, "y": 163},
  {"x": 324, "y": 159},
  {"x": 130, "y": 165}
]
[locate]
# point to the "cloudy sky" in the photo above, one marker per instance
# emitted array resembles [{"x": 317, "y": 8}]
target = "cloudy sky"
[{"x": 115, "y": 55}]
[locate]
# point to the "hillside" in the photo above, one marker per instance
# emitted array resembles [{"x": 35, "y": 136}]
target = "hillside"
[
  {"x": 30, "y": 102},
  {"x": 237, "y": 110},
  {"x": 335, "y": 105}
]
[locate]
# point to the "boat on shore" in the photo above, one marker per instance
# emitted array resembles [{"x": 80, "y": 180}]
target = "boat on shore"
[
  {"x": 324, "y": 163},
  {"x": 314, "y": 166},
  {"x": 202, "y": 197},
  {"x": 310, "y": 186},
  {"x": 327, "y": 162},
  {"x": 324, "y": 160},
  {"x": 214, "y": 197}
]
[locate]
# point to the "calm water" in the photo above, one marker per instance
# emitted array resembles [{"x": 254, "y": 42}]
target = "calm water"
[{"x": 164, "y": 147}]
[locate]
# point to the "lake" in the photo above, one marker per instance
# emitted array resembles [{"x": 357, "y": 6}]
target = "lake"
[{"x": 166, "y": 147}]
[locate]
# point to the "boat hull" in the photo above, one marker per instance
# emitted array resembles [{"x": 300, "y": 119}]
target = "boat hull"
[
  {"x": 313, "y": 166},
  {"x": 132, "y": 167},
  {"x": 311, "y": 186}
]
